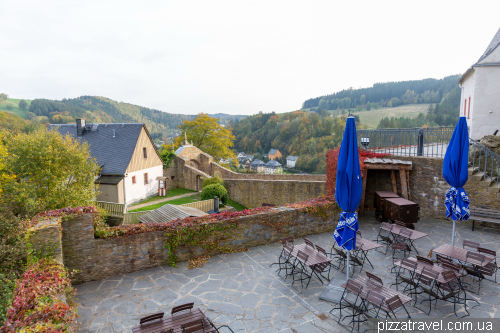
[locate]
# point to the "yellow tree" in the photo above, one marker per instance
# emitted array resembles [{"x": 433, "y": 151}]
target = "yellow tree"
[
  {"x": 51, "y": 172},
  {"x": 205, "y": 133}
]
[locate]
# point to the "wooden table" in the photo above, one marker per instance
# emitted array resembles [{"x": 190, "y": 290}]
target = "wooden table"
[
  {"x": 460, "y": 254},
  {"x": 365, "y": 245},
  {"x": 396, "y": 229},
  {"x": 381, "y": 289},
  {"x": 315, "y": 257},
  {"x": 174, "y": 322},
  {"x": 421, "y": 265}
]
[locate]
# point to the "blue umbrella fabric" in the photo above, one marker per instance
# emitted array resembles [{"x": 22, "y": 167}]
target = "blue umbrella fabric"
[
  {"x": 455, "y": 172},
  {"x": 348, "y": 188}
]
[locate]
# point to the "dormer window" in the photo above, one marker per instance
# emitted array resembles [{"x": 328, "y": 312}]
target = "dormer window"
[{"x": 144, "y": 152}]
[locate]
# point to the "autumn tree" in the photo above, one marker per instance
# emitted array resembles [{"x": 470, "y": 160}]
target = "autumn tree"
[
  {"x": 3, "y": 97},
  {"x": 51, "y": 172},
  {"x": 205, "y": 133}
]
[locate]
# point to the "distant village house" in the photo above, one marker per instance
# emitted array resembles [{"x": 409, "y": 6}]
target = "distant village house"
[
  {"x": 274, "y": 154},
  {"x": 291, "y": 161}
]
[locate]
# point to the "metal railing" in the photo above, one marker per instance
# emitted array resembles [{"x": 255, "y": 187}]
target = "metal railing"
[
  {"x": 113, "y": 208},
  {"x": 133, "y": 217},
  {"x": 429, "y": 142},
  {"x": 484, "y": 160}
]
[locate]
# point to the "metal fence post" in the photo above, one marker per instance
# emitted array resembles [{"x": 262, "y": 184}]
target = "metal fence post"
[
  {"x": 420, "y": 142},
  {"x": 216, "y": 204}
]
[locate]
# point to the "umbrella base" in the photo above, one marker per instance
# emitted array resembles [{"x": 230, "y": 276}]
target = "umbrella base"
[{"x": 333, "y": 292}]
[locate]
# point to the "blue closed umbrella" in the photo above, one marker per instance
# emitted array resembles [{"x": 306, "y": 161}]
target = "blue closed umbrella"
[
  {"x": 455, "y": 172},
  {"x": 348, "y": 189}
]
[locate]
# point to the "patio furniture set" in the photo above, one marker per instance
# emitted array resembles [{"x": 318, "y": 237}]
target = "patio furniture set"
[
  {"x": 439, "y": 279},
  {"x": 183, "y": 319}
]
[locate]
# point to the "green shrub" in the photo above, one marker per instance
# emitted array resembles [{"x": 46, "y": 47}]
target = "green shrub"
[
  {"x": 212, "y": 181},
  {"x": 213, "y": 190}
]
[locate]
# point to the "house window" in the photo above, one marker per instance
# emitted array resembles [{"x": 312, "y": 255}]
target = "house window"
[
  {"x": 146, "y": 178},
  {"x": 468, "y": 111},
  {"x": 144, "y": 152},
  {"x": 465, "y": 105},
  {"x": 133, "y": 180}
]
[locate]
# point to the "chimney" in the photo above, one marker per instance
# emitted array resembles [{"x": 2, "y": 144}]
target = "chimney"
[{"x": 80, "y": 126}]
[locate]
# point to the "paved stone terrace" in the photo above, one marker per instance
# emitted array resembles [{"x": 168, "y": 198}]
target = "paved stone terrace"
[{"x": 242, "y": 291}]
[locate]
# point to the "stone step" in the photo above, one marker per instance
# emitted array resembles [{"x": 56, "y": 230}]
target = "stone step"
[
  {"x": 486, "y": 182},
  {"x": 472, "y": 171},
  {"x": 477, "y": 176},
  {"x": 494, "y": 188}
]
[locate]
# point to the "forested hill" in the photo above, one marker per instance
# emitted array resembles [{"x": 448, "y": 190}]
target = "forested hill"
[
  {"x": 299, "y": 133},
  {"x": 101, "y": 109},
  {"x": 387, "y": 94}
]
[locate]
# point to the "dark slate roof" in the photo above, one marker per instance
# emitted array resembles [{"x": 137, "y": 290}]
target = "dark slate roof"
[
  {"x": 273, "y": 151},
  {"x": 493, "y": 45},
  {"x": 113, "y": 153},
  {"x": 273, "y": 163},
  {"x": 257, "y": 163},
  {"x": 292, "y": 158},
  {"x": 495, "y": 42}
]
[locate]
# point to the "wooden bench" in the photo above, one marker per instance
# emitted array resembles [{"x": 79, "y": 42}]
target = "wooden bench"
[{"x": 484, "y": 215}]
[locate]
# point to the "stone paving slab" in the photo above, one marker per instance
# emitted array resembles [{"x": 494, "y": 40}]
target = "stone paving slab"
[{"x": 242, "y": 291}]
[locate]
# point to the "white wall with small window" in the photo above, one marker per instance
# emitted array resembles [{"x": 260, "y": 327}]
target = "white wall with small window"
[{"x": 142, "y": 184}]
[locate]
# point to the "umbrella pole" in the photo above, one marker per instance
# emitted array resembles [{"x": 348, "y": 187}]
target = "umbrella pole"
[
  {"x": 348, "y": 259},
  {"x": 453, "y": 235}
]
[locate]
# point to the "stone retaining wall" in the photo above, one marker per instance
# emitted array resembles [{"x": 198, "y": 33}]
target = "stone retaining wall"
[
  {"x": 228, "y": 174},
  {"x": 253, "y": 193},
  {"x": 428, "y": 187},
  {"x": 96, "y": 259}
]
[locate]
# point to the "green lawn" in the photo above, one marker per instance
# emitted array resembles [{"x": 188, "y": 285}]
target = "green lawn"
[
  {"x": 179, "y": 201},
  {"x": 239, "y": 207},
  {"x": 15, "y": 108},
  {"x": 372, "y": 118},
  {"x": 170, "y": 193}
]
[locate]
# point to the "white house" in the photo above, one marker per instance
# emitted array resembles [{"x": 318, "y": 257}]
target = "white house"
[
  {"x": 127, "y": 155},
  {"x": 272, "y": 167},
  {"x": 480, "y": 84},
  {"x": 291, "y": 161}
]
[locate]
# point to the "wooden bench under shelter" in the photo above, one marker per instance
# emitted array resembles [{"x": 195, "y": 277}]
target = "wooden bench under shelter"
[
  {"x": 394, "y": 165},
  {"x": 484, "y": 215}
]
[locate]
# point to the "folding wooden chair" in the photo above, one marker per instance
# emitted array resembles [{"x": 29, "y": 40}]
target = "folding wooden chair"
[
  {"x": 470, "y": 244},
  {"x": 282, "y": 255},
  {"x": 287, "y": 263},
  {"x": 300, "y": 272},
  {"x": 308, "y": 243},
  {"x": 399, "y": 248},
  {"x": 385, "y": 235},
  {"x": 197, "y": 326},
  {"x": 393, "y": 304},
  {"x": 475, "y": 271},
  {"x": 491, "y": 268},
  {"x": 441, "y": 258},
  {"x": 329, "y": 255},
  {"x": 425, "y": 260},
  {"x": 151, "y": 317},
  {"x": 350, "y": 300},
  {"x": 426, "y": 283},
  {"x": 453, "y": 291},
  {"x": 406, "y": 274},
  {"x": 373, "y": 278},
  {"x": 183, "y": 307}
]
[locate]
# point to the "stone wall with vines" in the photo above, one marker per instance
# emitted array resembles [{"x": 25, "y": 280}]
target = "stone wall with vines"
[{"x": 110, "y": 251}]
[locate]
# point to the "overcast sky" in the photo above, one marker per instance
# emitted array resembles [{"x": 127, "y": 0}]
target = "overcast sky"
[{"x": 237, "y": 57}]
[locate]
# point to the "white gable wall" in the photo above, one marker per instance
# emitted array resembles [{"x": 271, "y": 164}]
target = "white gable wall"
[
  {"x": 468, "y": 91},
  {"x": 486, "y": 104},
  {"x": 139, "y": 190}
]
